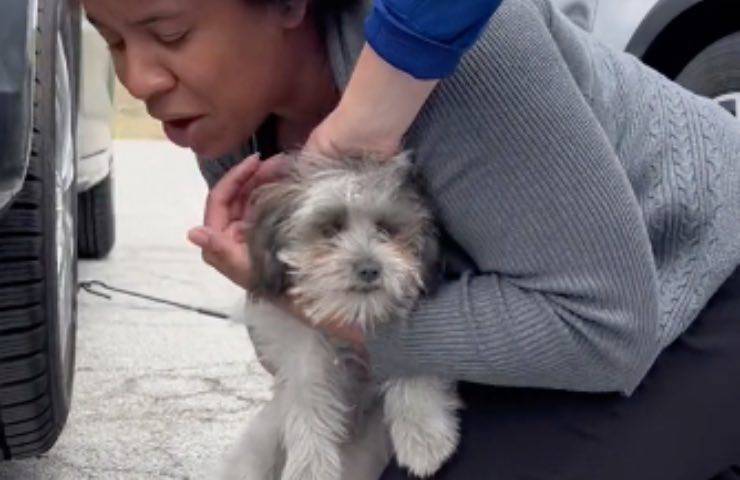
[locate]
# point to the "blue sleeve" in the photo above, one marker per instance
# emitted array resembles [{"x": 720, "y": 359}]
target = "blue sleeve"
[{"x": 426, "y": 38}]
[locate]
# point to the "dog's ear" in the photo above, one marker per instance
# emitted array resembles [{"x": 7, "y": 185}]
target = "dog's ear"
[
  {"x": 403, "y": 165},
  {"x": 411, "y": 180},
  {"x": 430, "y": 261},
  {"x": 268, "y": 236}
]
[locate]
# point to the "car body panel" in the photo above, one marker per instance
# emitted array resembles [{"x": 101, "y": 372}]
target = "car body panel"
[
  {"x": 93, "y": 168},
  {"x": 17, "y": 59},
  {"x": 630, "y": 25},
  {"x": 96, "y": 109}
]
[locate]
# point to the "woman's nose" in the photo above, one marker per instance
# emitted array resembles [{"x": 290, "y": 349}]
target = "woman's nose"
[{"x": 144, "y": 76}]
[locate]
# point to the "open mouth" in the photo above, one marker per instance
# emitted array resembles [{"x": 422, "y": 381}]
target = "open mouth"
[
  {"x": 179, "y": 131},
  {"x": 182, "y": 122}
]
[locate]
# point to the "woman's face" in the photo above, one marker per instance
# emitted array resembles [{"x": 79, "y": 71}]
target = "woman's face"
[{"x": 210, "y": 70}]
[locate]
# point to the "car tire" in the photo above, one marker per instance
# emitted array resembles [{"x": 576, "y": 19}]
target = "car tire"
[
  {"x": 38, "y": 265},
  {"x": 96, "y": 227},
  {"x": 715, "y": 73}
]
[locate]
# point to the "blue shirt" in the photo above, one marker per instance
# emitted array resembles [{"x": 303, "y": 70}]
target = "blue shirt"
[{"x": 426, "y": 38}]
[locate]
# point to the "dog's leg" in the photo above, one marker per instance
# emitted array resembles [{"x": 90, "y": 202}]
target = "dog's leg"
[
  {"x": 367, "y": 453},
  {"x": 257, "y": 454},
  {"x": 313, "y": 412},
  {"x": 421, "y": 415},
  {"x": 316, "y": 414}
]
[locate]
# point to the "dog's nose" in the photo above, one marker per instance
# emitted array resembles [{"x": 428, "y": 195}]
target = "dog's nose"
[{"x": 367, "y": 271}]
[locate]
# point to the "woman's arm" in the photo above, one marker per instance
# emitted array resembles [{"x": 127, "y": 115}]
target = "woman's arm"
[
  {"x": 411, "y": 45},
  {"x": 524, "y": 179},
  {"x": 375, "y": 111}
]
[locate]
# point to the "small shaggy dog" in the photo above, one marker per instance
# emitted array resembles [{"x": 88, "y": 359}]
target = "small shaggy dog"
[{"x": 349, "y": 239}]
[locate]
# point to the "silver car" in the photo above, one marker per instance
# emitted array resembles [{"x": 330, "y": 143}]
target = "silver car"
[{"x": 694, "y": 42}]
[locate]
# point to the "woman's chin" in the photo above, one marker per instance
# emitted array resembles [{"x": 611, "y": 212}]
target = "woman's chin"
[
  {"x": 194, "y": 136},
  {"x": 208, "y": 148},
  {"x": 204, "y": 141},
  {"x": 204, "y": 151}
]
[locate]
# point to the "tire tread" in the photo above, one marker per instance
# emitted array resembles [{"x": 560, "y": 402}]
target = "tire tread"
[{"x": 31, "y": 415}]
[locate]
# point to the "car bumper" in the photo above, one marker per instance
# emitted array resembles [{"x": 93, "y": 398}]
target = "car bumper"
[
  {"x": 93, "y": 168},
  {"x": 96, "y": 110}
]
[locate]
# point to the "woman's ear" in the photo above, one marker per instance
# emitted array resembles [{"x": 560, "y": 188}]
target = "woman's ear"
[{"x": 293, "y": 12}]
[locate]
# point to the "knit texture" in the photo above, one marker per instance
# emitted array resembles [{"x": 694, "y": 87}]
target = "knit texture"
[{"x": 595, "y": 203}]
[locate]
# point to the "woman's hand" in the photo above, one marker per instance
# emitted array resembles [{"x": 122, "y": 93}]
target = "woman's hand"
[
  {"x": 222, "y": 236},
  {"x": 227, "y": 212}
]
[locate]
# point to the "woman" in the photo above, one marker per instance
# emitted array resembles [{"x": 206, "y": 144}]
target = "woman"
[{"x": 590, "y": 210}]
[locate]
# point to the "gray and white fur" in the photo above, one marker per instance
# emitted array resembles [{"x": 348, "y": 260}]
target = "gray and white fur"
[{"x": 353, "y": 240}]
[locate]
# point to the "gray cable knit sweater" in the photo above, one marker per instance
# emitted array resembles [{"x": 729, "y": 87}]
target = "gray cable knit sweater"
[{"x": 596, "y": 203}]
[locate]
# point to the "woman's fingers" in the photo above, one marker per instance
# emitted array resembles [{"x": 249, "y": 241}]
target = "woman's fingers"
[
  {"x": 199, "y": 236},
  {"x": 218, "y": 204},
  {"x": 224, "y": 252},
  {"x": 237, "y": 231},
  {"x": 271, "y": 170},
  {"x": 223, "y": 236},
  {"x": 274, "y": 168}
]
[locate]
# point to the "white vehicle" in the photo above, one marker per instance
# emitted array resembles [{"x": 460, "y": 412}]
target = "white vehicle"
[{"x": 96, "y": 219}]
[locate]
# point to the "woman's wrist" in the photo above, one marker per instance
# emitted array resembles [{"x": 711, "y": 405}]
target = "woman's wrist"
[
  {"x": 378, "y": 106},
  {"x": 382, "y": 100}
]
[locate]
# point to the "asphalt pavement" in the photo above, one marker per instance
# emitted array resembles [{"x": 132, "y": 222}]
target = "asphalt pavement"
[{"x": 159, "y": 392}]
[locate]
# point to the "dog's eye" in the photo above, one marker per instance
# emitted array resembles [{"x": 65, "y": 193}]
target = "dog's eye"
[
  {"x": 331, "y": 229},
  {"x": 386, "y": 228}
]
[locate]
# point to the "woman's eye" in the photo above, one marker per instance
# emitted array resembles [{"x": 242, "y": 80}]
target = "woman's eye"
[{"x": 173, "y": 38}]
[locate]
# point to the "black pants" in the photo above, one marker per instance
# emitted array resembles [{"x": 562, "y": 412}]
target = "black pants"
[{"x": 682, "y": 423}]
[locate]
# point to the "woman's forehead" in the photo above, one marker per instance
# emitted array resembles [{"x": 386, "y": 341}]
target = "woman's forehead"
[{"x": 138, "y": 12}]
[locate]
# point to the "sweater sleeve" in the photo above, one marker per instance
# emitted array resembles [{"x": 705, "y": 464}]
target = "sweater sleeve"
[
  {"x": 426, "y": 39},
  {"x": 563, "y": 293}
]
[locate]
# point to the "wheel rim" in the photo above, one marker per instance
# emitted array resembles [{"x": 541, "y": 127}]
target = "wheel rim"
[
  {"x": 64, "y": 202},
  {"x": 730, "y": 102}
]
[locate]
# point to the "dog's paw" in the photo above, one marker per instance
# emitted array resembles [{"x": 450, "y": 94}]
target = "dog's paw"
[
  {"x": 421, "y": 414},
  {"x": 423, "y": 445}
]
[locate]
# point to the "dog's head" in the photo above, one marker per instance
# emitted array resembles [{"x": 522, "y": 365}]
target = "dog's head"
[{"x": 348, "y": 239}]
